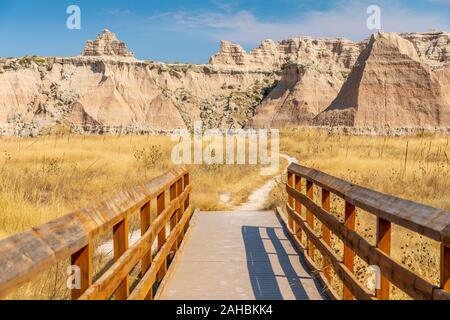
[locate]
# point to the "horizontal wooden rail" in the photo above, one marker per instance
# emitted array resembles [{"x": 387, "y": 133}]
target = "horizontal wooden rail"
[
  {"x": 26, "y": 255},
  {"x": 421, "y": 219}
]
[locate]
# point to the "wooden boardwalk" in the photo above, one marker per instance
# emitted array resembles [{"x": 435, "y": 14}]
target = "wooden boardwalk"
[
  {"x": 236, "y": 256},
  {"x": 233, "y": 255}
]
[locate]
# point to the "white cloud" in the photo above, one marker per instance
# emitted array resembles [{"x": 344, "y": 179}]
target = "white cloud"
[
  {"x": 119, "y": 12},
  {"x": 347, "y": 20},
  {"x": 442, "y": 2},
  {"x": 226, "y": 6}
]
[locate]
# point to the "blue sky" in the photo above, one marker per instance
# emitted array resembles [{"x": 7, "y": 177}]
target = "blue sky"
[{"x": 190, "y": 31}]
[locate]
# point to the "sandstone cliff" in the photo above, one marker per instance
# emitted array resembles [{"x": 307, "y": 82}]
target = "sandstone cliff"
[
  {"x": 392, "y": 85},
  {"x": 302, "y": 93},
  {"x": 432, "y": 47},
  {"x": 390, "y": 80},
  {"x": 271, "y": 55},
  {"x": 106, "y": 90}
]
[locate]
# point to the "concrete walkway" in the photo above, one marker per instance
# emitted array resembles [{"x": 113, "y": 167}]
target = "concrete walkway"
[{"x": 239, "y": 256}]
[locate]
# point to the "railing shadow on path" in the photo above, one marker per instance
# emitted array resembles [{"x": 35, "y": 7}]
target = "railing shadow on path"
[{"x": 261, "y": 264}]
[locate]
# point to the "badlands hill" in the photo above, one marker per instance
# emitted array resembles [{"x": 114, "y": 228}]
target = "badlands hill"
[
  {"x": 391, "y": 86},
  {"x": 388, "y": 81}
]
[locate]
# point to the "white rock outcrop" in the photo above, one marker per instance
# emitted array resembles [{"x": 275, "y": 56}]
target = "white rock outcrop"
[{"x": 107, "y": 44}]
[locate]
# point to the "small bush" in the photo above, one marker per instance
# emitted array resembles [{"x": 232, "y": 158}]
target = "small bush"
[{"x": 148, "y": 158}]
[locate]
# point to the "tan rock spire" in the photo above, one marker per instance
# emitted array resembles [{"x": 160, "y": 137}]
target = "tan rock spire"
[
  {"x": 107, "y": 44},
  {"x": 390, "y": 87}
]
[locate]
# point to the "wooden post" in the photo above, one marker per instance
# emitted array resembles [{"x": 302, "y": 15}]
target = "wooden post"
[
  {"x": 298, "y": 208},
  {"x": 349, "y": 254},
  {"x": 120, "y": 232},
  {"x": 146, "y": 221},
  {"x": 83, "y": 260},
  {"x": 186, "y": 180},
  {"x": 384, "y": 244},
  {"x": 179, "y": 192},
  {"x": 445, "y": 268},
  {"x": 290, "y": 182},
  {"x": 310, "y": 217},
  {"x": 173, "y": 196},
  {"x": 182, "y": 208},
  {"x": 145, "y": 224},
  {"x": 161, "y": 204},
  {"x": 326, "y": 199},
  {"x": 187, "y": 202},
  {"x": 174, "y": 217},
  {"x": 185, "y": 184}
]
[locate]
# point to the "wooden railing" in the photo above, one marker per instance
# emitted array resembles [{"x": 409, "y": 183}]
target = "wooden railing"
[
  {"x": 423, "y": 220},
  {"x": 24, "y": 256}
]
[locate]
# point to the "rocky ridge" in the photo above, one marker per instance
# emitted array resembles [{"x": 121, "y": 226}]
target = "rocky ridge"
[
  {"x": 270, "y": 55},
  {"x": 107, "y": 44},
  {"x": 299, "y": 81},
  {"x": 392, "y": 85}
]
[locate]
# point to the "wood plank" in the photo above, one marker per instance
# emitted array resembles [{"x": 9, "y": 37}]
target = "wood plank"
[
  {"x": 144, "y": 286},
  {"x": 26, "y": 255},
  {"x": 423, "y": 219},
  {"x": 349, "y": 254},
  {"x": 310, "y": 216},
  {"x": 403, "y": 278},
  {"x": 290, "y": 182},
  {"x": 161, "y": 203},
  {"x": 110, "y": 280},
  {"x": 146, "y": 220},
  {"x": 174, "y": 218},
  {"x": 346, "y": 275},
  {"x": 83, "y": 260},
  {"x": 445, "y": 268},
  {"x": 182, "y": 207},
  {"x": 186, "y": 183},
  {"x": 298, "y": 207},
  {"x": 326, "y": 198},
  {"x": 264, "y": 263},
  {"x": 173, "y": 196},
  {"x": 384, "y": 244},
  {"x": 120, "y": 232}
]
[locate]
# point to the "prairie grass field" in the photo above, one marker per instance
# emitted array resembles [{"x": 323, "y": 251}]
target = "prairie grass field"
[
  {"x": 416, "y": 168},
  {"x": 46, "y": 177}
]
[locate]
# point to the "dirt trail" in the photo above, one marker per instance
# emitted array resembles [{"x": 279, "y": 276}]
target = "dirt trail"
[
  {"x": 256, "y": 201},
  {"x": 259, "y": 197}
]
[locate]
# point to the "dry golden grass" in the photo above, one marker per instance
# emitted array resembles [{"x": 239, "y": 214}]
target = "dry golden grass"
[
  {"x": 44, "y": 178},
  {"x": 415, "y": 168},
  {"x": 47, "y": 177}
]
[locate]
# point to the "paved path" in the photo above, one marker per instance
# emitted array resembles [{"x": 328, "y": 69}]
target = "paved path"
[{"x": 239, "y": 255}]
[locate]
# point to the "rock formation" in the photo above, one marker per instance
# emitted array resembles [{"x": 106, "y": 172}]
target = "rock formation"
[
  {"x": 271, "y": 55},
  {"x": 391, "y": 86},
  {"x": 107, "y": 44},
  {"x": 303, "y": 92},
  {"x": 230, "y": 54},
  {"x": 433, "y": 47},
  {"x": 96, "y": 95},
  {"x": 388, "y": 81}
]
